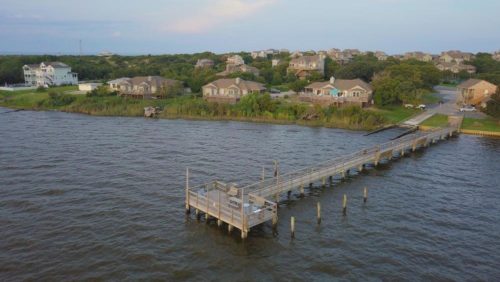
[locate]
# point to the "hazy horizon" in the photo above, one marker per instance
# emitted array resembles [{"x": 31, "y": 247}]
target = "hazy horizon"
[{"x": 221, "y": 26}]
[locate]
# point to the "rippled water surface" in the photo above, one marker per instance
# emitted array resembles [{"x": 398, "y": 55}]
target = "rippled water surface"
[{"x": 86, "y": 197}]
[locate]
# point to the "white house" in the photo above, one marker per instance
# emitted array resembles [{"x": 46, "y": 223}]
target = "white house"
[
  {"x": 88, "y": 86},
  {"x": 48, "y": 74}
]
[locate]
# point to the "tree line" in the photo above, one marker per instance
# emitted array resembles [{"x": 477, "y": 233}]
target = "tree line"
[{"x": 394, "y": 81}]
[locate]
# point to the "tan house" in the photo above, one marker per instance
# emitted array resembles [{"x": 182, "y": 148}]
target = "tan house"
[
  {"x": 339, "y": 91},
  {"x": 235, "y": 60},
  {"x": 420, "y": 56},
  {"x": 474, "y": 91},
  {"x": 456, "y": 68},
  {"x": 204, "y": 63},
  {"x": 455, "y": 56},
  {"x": 144, "y": 87},
  {"x": 239, "y": 68},
  {"x": 236, "y": 64},
  {"x": 380, "y": 55},
  {"x": 496, "y": 56},
  {"x": 230, "y": 90},
  {"x": 304, "y": 66}
]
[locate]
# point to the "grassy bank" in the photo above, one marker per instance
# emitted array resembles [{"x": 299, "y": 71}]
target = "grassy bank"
[
  {"x": 488, "y": 124},
  {"x": 437, "y": 120},
  {"x": 253, "y": 108},
  {"x": 395, "y": 114}
]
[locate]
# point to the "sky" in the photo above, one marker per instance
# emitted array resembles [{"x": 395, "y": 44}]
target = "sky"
[{"x": 219, "y": 26}]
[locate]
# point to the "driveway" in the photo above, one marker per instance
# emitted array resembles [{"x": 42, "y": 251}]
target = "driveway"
[
  {"x": 449, "y": 96},
  {"x": 449, "y": 107}
]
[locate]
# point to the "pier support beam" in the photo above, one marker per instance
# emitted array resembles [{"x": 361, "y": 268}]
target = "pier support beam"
[
  {"x": 219, "y": 222},
  {"x": 318, "y": 212},
  {"x": 275, "y": 221},
  {"x": 188, "y": 208},
  {"x": 301, "y": 190},
  {"x": 244, "y": 234},
  {"x": 229, "y": 228},
  {"x": 344, "y": 205},
  {"x": 323, "y": 182},
  {"x": 330, "y": 179}
]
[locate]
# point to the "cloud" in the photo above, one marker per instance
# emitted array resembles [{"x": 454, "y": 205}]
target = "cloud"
[
  {"x": 217, "y": 13},
  {"x": 116, "y": 34}
]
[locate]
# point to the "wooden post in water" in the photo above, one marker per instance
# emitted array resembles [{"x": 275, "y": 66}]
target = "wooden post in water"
[
  {"x": 331, "y": 180},
  {"x": 275, "y": 221},
  {"x": 188, "y": 208},
  {"x": 301, "y": 190},
  {"x": 292, "y": 226},
  {"x": 277, "y": 175},
  {"x": 318, "y": 212},
  {"x": 208, "y": 207},
  {"x": 229, "y": 228},
  {"x": 365, "y": 195},
  {"x": 219, "y": 221},
  {"x": 344, "y": 205},
  {"x": 323, "y": 182}
]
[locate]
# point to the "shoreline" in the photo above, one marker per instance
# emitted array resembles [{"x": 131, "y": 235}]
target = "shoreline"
[{"x": 316, "y": 124}]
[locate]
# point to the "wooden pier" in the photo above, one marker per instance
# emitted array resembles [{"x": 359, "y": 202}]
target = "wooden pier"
[{"x": 254, "y": 204}]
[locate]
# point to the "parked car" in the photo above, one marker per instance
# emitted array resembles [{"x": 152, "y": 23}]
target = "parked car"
[
  {"x": 467, "y": 108},
  {"x": 421, "y": 107},
  {"x": 409, "y": 106}
]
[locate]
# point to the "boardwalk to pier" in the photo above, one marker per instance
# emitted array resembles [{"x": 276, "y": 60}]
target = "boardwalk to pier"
[{"x": 254, "y": 204}]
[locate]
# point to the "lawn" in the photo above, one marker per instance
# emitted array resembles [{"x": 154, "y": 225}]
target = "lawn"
[
  {"x": 488, "y": 124},
  {"x": 21, "y": 99},
  {"x": 395, "y": 114},
  {"x": 449, "y": 84},
  {"x": 436, "y": 120}
]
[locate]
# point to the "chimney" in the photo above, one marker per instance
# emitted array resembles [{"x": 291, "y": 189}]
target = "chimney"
[
  {"x": 238, "y": 80},
  {"x": 332, "y": 80}
]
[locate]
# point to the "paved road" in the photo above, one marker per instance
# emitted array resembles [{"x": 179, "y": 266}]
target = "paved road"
[{"x": 448, "y": 107}]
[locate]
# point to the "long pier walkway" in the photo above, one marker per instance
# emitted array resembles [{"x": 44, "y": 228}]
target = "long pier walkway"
[{"x": 254, "y": 204}]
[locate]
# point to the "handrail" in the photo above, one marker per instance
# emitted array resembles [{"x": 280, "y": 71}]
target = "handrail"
[{"x": 276, "y": 182}]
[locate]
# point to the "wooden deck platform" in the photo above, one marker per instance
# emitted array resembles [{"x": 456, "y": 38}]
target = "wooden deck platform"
[{"x": 245, "y": 207}]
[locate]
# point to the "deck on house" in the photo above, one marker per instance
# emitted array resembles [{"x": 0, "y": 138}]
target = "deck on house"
[{"x": 251, "y": 205}]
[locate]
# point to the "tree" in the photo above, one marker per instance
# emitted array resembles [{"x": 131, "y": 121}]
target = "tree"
[
  {"x": 298, "y": 85},
  {"x": 493, "y": 105},
  {"x": 385, "y": 90}
]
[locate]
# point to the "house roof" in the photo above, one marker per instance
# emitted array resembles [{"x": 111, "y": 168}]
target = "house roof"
[
  {"x": 305, "y": 59},
  {"x": 118, "y": 80},
  {"x": 156, "y": 81},
  {"x": 341, "y": 84},
  {"x": 469, "y": 83},
  {"x": 56, "y": 64},
  {"x": 238, "y": 82},
  {"x": 52, "y": 64}
]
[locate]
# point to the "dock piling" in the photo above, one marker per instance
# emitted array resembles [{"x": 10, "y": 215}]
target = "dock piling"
[
  {"x": 365, "y": 195},
  {"x": 318, "y": 212},
  {"x": 292, "y": 226},
  {"x": 344, "y": 205},
  {"x": 188, "y": 207}
]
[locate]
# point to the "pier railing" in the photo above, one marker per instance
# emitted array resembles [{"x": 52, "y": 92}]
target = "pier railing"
[
  {"x": 251, "y": 205},
  {"x": 300, "y": 178}
]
